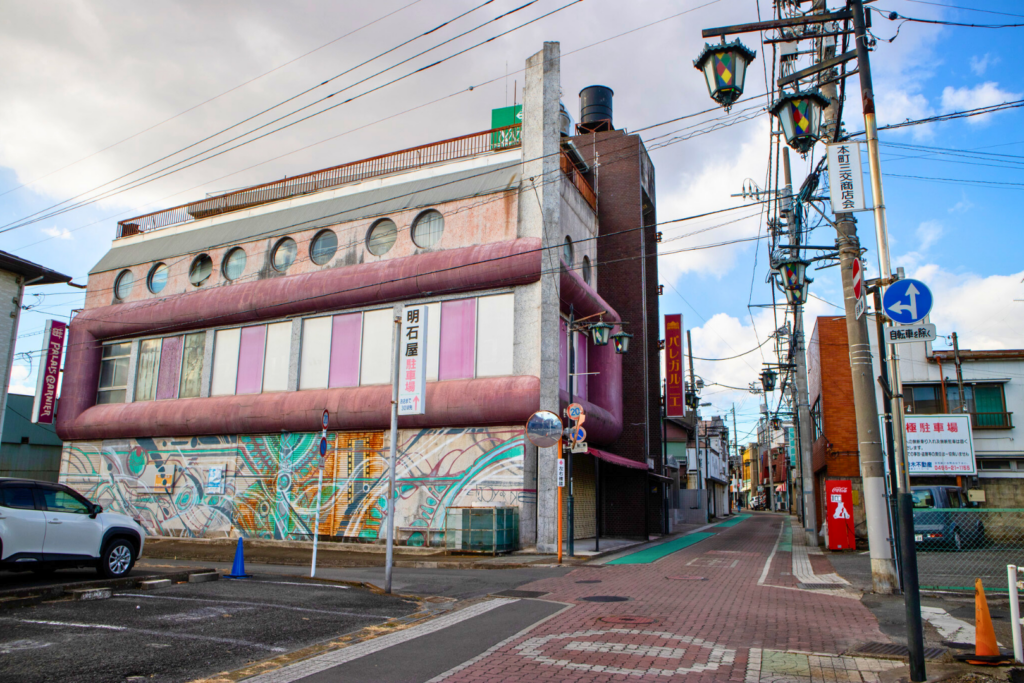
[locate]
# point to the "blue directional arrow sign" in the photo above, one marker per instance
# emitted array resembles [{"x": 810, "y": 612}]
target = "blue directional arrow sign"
[{"x": 907, "y": 301}]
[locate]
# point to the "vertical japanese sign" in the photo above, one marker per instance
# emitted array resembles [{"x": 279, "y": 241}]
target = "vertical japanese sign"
[
  {"x": 674, "y": 404},
  {"x": 940, "y": 444},
  {"x": 413, "y": 354},
  {"x": 845, "y": 178},
  {"x": 839, "y": 510},
  {"x": 49, "y": 372}
]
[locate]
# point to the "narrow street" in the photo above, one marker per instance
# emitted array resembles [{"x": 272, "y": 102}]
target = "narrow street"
[{"x": 710, "y": 610}]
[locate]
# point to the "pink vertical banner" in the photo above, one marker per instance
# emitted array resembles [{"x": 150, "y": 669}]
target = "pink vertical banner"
[
  {"x": 250, "y": 360},
  {"x": 580, "y": 384},
  {"x": 346, "y": 333},
  {"x": 563, "y": 356},
  {"x": 458, "y": 339},
  {"x": 170, "y": 368},
  {"x": 45, "y": 404}
]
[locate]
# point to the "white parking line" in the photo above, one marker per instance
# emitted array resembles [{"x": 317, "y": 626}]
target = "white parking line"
[
  {"x": 307, "y": 584},
  {"x": 151, "y": 632},
  {"x": 361, "y": 615}
]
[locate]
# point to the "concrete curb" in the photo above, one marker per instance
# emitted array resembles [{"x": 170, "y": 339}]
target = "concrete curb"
[{"x": 26, "y": 597}]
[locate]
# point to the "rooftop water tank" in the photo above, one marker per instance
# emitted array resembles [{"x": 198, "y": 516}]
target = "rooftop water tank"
[{"x": 596, "y": 108}]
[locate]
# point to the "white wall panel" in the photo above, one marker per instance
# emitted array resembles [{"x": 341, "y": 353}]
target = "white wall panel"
[
  {"x": 433, "y": 341},
  {"x": 315, "y": 361},
  {"x": 495, "y": 329},
  {"x": 375, "y": 365},
  {"x": 225, "y": 361},
  {"x": 278, "y": 354}
]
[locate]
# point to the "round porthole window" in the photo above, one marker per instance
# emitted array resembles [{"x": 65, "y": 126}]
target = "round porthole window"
[
  {"x": 234, "y": 263},
  {"x": 284, "y": 254},
  {"x": 325, "y": 244},
  {"x": 123, "y": 284},
  {"x": 586, "y": 269},
  {"x": 157, "y": 279},
  {"x": 426, "y": 231},
  {"x": 382, "y": 237},
  {"x": 200, "y": 270},
  {"x": 567, "y": 251}
]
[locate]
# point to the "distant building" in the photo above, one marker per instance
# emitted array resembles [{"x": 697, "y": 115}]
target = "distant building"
[{"x": 28, "y": 450}]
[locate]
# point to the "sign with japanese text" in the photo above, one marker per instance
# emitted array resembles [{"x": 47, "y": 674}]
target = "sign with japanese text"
[
  {"x": 859, "y": 290},
  {"x": 412, "y": 372},
  {"x": 939, "y": 444},
  {"x": 560, "y": 473},
  {"x": 45, "y": 403},
  {"x": 845, "y": 178},
  {"x": 839, "y": 514},
  {"x": 674, "y": 405},
  {"x": 900, "y": 334},
  {"x": 791, "y": 445},
  {"x": 214, "y": 480}
]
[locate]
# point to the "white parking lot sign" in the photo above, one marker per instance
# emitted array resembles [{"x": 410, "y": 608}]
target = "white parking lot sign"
[{"x": 413, "y": 355}]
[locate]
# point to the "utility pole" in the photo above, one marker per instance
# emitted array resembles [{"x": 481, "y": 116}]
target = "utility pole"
[
  {"x": 959, "y": 374},
  {"x": 739, "y": 460},
  {"x": 803, "y": 408}
]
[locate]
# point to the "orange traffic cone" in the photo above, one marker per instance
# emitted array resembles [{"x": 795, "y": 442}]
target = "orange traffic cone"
[{"x": 986, "y": 649}]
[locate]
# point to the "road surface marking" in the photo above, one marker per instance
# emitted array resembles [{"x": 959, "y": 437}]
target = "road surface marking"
[
  {"x": 163, "y": 633},
  {"x": 330, "y": 660},
  {"x": 768, "y": 562},
  {"x": 717, "y": 657},
  {"x": 307, "y": 584},
  {"x": 382, "y": 617},
  {"x": 948, "y": 626}
]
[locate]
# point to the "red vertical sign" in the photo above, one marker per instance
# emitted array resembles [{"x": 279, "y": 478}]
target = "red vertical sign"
[
  {"x": 674, "y": 365},
  {"x": 49, "y": 372},
  {"x": 839, "y": 493}
]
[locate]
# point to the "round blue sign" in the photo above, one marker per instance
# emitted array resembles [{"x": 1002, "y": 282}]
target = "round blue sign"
[
  {"x": 323, "y": 446},
  {"x": 907, "y": 301},
  {"x": 326, "y": 416}
]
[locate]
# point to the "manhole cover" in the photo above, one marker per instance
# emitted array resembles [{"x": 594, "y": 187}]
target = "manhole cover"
[
  {"x": 894, "y": 651},
  {"x": 686, "y": 577},
  {"x": 604, "y": 598},
  {"x": 590, "y": 581},
  {"x": 626, "y": 619},
  {"x": 521, "y": 594}
]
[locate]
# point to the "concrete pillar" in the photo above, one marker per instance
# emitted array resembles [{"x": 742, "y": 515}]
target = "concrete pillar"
[
  {"x": 12, "y": 290},
  {"x": 537, "y": 306}
]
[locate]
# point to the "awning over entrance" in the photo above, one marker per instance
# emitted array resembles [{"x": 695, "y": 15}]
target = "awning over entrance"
[{"x": 617, "y": 459}]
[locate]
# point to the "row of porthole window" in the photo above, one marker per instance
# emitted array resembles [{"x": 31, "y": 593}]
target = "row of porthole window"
[
  {"x": 568, "y": 255},
  {"x": 426, "y": 232}
]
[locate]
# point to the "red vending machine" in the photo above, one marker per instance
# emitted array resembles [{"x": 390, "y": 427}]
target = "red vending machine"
[{"x": 839, "y": 493}]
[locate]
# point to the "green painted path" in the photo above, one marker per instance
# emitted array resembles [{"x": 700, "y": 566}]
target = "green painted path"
[
  {"x": 734, "y": 521},
  {"x": 655, "y": 553}
]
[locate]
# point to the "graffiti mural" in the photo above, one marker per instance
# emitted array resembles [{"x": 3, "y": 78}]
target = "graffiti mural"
[{"x": 265, "y": 486}]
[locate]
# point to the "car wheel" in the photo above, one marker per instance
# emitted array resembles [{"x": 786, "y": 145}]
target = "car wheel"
[{"x": 117, "y": 559}]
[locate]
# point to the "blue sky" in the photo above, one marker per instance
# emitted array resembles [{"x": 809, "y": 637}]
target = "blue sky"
[{"x": 79, "y": 83}]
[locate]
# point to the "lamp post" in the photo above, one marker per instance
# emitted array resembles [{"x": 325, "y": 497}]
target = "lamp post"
[
  {"x": 599, "y": 333},
  {"x": 799, "y": 114},
  {"x": 725, "y": 69}
]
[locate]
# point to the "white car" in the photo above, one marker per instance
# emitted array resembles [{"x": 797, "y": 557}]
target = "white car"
[{"x": 46, "y": 526}]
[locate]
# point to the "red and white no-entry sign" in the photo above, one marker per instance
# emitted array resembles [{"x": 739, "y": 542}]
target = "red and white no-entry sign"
[{"x": 858, "y": 287}]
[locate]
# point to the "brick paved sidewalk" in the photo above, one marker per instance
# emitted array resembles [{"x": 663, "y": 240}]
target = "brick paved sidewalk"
[{"x": 714, "y": 611}]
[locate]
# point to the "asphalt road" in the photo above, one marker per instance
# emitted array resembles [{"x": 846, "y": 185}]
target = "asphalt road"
[
  {"x": 16, "y": 581},
  {"x": 183, "y": 632}
]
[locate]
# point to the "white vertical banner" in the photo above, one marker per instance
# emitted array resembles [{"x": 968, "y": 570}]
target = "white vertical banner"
[
  {"x": 412, "y": 372},
  {"x": 846, "y": 178}
]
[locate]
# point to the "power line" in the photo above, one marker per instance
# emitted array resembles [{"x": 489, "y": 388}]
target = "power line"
[
  {"x": 896, "y": 16},
  {"x": 966, "y": 9}
]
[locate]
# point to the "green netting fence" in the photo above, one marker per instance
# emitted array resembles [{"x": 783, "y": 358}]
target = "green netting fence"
[{"x": 955, "y": 546}]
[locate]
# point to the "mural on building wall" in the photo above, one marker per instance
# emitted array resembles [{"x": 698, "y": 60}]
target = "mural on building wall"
[{"x": 265, "y": 486}]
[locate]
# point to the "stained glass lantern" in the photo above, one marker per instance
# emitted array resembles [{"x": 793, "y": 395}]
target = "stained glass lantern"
[
  {"x": 800, "y": 116},
  {"x": 621, "y": 341},
  {"x": 725, "y": 68},
  {"x": 792, "y": 279},
  {"x": 599, "y": 333},
  {"x": 768, "y": 379}
]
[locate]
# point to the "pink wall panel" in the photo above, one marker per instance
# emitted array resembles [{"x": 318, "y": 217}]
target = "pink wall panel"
[
  {"x": 563, "y": 356},
  {"x": 250, "y": 360},
  {"x": 345, "y": 335},
  {"x": 170, "y": 368},
  {"x": 458, "y": 339},
  {"x": 581, "y": 366}
]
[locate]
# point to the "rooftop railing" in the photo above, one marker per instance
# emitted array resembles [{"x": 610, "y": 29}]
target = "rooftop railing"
[{"x": 494, "y": 140}]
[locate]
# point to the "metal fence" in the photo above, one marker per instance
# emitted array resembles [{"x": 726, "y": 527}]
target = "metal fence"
[
  {"x": 691, "y": 507},
  {"x": 955, "y": 546}
]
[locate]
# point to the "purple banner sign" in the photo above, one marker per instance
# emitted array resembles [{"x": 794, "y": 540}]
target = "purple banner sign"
[{"x": 49, "y": 372}]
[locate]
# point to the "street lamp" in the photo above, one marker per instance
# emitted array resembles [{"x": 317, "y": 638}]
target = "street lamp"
[
  {"x": 792, "y": 279},
  {"x": 725, "y": 69},
  {"x": 599, "y": 333},
  {"x": 800, "y": 116},
  {"x": 621, "y": 341},
  {"x": 768, "y": 379}
]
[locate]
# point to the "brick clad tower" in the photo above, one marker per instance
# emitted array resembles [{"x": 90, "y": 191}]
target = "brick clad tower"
[{"x": 627, "y": 277}]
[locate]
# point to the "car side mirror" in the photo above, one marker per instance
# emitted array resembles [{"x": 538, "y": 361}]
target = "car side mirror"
[{"x": 96, "y": 509}]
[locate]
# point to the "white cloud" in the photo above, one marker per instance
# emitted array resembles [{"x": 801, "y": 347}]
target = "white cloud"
[
  {"x": 982, "y": 95},
  {"x": 21, "y": 380},
  {"x": 929, "y": 233},
  {"x": 962, "y": 206},
  {"x": 58, "y": 233},
  {"x": 981, "y": 64}
]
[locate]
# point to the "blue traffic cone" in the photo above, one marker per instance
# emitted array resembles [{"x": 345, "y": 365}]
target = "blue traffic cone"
[{"x": 238, "y": 568}]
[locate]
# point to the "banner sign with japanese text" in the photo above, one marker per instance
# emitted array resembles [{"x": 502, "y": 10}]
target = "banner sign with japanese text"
[
  {"x": 412, "y": 372},
  {"x": 674, "y": 404},
  {"x": 845, "y": 178},
  {"x": 45, "y": 404},
  {"x": 939, "y": 444}
]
